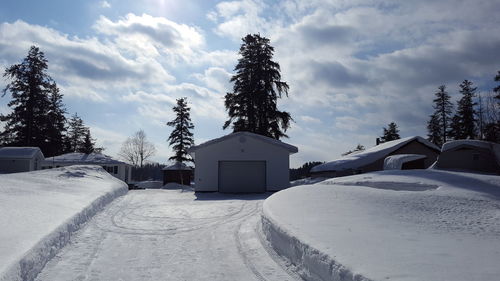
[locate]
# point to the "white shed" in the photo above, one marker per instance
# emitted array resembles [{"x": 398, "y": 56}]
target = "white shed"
[
  {"x": 118, "y": 169},
  {"x": 20, "y": 159},
  {"x": 242, "y": 162}
]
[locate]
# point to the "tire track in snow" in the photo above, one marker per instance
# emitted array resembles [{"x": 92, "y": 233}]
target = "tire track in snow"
[{"x": 253, "y": 252}]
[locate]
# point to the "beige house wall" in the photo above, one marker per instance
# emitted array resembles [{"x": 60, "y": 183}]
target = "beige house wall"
[{"x": 469, "y": 158}]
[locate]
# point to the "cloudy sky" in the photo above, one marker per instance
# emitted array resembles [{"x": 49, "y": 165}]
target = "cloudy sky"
[{"x": 352, "y": 66}]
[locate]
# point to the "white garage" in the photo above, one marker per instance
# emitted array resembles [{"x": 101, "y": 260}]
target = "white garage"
[
  {"x": 20, "y": 159},
  {"x": 242, "y": 162}
]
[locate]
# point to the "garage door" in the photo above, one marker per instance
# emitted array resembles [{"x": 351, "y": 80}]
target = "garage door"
[{"x": 242, "y": 176}]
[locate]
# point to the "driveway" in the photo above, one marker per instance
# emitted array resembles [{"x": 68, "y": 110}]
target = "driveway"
[{"x": 171, "y": 235}]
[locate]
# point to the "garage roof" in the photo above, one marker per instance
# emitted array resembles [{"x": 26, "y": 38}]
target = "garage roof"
[
  {"x": 19, "y": 152},
  {"x": 289, "y": 147},
  {"x": 82, "y": 158}
]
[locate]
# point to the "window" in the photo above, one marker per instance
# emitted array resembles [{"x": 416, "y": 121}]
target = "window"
[{"x": 115, "y": 169}]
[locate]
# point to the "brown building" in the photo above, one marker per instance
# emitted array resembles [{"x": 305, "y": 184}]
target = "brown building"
[
  {"x": 373, "y": 159},
  {"x": 178, "y": 173},
  {"x": 470, "y": 155}
]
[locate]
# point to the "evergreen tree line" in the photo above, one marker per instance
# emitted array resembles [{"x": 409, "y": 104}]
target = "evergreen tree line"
[
  {"x": 148, "y": 171},
  {"x": 477, "y": 116},
  {"x": 38, "y": 115},
  {"x": 303, "y": 171}
]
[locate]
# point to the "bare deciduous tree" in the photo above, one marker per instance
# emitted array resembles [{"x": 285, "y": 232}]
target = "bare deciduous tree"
[{"x": 136, "y": 149}]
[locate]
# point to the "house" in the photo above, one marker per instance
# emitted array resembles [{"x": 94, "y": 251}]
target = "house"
[
  {"x": 20, "y": 159},
  {"x": 470, "y": 155},
  {"x": 178, "y": 173},
  {"x": 373, "y": 159},
  {"x": 118, "y": 169},
  {"x": 242, "y": 162}
]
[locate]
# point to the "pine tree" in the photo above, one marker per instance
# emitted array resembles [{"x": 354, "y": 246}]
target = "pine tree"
[
  {"x": 442, "y": 116},
  {"x": 391, "y": 133},
  {"x": 57, "y": 124},
  {"x": 30, "y": 88},
  {"x": 76, "y": 133},
  {"x": 492, "y": 110},
  {"x": 88, "y": 144},
  {"x": 464, "y": 121},
  {"x": 435, "y": 134},
  {"x": 497, "y": 88},
  {"x": 252, "y": 106},
  {"x": 181, "y": 137}
]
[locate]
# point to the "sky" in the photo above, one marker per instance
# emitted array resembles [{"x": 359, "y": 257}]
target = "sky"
[{"x": 352, "y": 66}]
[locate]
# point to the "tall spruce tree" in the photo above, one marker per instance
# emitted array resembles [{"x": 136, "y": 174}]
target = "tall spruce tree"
[
  {"x": 88, "y": 144},
  {"x": 252, "y": 106},
  {"x": 390, "y": 133},
  {"x": 464, "y": 120},
  {"x": 442, "y": 116},
  {"x": 76, "y": 133},
  {"x": 36, "y": 105},
  {"x": 497, "y": 88},
  {"x": 57, "y": 124},
  {"x": 492, "y": 124},
  {"x": 181, "y": 137},
  {"x": 434, "y": 130}
]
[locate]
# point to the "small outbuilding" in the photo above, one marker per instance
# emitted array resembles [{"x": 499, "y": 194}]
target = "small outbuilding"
[
  {"x": 20, "y": 159},
  {"x": 177, "y": 173},
  {"x": 242, "y": 162},
  {"x": 373, "y": 158},
  {"x": 118, "y": 169},
  {"x": 470, "y": 155}
]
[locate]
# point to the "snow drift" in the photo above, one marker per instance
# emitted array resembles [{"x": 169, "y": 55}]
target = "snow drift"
[
  {"x": 403, "y": 225},
  {"x": 40, "y": 210}
]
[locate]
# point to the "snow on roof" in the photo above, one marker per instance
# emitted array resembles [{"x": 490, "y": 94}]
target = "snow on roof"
[
  {"x": 19, "y": 152},
  {"x": 82, "y": 158},
  {"x": 354, "y": 161},
  {"x": 475, "y": 143},
  {"x": 395, "y": 162},
  {"x": 289, "y": 147},
  {"x": 177, "y": 166}
]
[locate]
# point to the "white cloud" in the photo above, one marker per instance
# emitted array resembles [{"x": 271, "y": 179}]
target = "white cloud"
[
  {"x": 154, "y": 36},
  {"x": 105, "y": 4},
  {"x": 309, "y": 119},
  {"x": 235, "y": 19}
]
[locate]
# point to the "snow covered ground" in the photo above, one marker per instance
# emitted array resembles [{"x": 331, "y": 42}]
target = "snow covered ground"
[
  {"x": 40, "y": 210},
  {"x": 390, "y": 225},
  {"x": 171, "y": 234}
]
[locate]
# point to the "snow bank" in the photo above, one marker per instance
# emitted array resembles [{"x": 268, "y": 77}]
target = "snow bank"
[
  {"x": 40, "y": 210},
  {"x": 403, "y": 225}
]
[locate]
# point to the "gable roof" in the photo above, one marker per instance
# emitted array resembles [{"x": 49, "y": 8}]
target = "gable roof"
[
  {"x": 355, "y": 161},
  {"x": 19, "y": 152},
  {"x": 291, "y": 149},
  {"x": 82, "y": 158}
]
